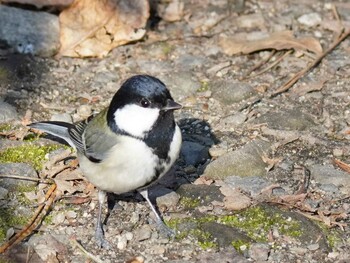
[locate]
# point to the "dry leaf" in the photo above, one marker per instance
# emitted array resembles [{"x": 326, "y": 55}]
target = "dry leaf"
[
  {"x": 234, "y": 199},
  {"x": 278, "y": 40},
  {"x": 303, "y": 89},
  {"x": 91, "y": 28}
]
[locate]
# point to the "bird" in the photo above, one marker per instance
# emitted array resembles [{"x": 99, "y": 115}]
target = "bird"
[{"x": 128, "y": 146}]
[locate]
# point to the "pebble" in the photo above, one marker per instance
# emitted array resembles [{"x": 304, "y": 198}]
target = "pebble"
[
  {"x": 65, "y": 117},
  {"x": 228, "y": 91},
  {"x": 259, "y": 251},
  {"x": 122, "y": 242},
  {"x": 216, "y": 151},
  {"x": 157, "y": 250},
  {"x": 58, "y": 219},
  {"x": 337, "y": 152},
  {"x": 313, "y": 247},
  {"x": 310, "y": 20},
  {"x": 245, "y": 161},
  {"x": 71, "y": 214},
  {"x": 143, "y": 233},
  {"x": 169, "y": 200},
  {"x": 3, "y": 192},
  {"x": 7, "y": 112},
  {"x": 84, "y": 111}
]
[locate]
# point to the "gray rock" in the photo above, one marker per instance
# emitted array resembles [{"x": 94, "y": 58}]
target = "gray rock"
[
  {"x": 226, "y": 255},
  {"x": 310, "y": 20},
  {"x": 188, "y": 62},
  {"x": 225, "y": 235},
  {"x": 233, "y": 120},
  {"x": 250, "y": 184},
  {"x": 259, "y": 251},
  {"x": 228, "y": 91},
  {"x": 7, "y": 111},
  {"x": 168, "y": 200},
  {"x": 3, "y": 193},
  {"x": 205, "y": 194},
  {"x": 245, "y": 161},
  {"x": 182, "y": 84},
  {"x": 287, "y": 120},
  {"x": 327, "y": 175},
  {"x": 62, "y": 117},
  {"x": 143, "y": 233},
  {"x": 21, "y": 169},
  {"x": 29, "y": 32},
  {"x": 194, "y": 153}
]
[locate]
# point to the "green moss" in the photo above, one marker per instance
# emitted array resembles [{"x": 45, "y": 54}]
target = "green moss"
[
  {"x": 48, "y": 219},
  {"x": 333, "y": 236},
  {"x": 28, "y": 153},
  {"x": 5, "y": 127},
  {"x": 189, "y": 203},
  {"x": 256, "y": 223},
  {"x": 204, "y": 86},
  {"x": 207, "y": 244},
  {"x": 238, "y": 244},
  {"x": 8, "y": 218},
  {"x": 166, "y": 48},
  {"x": 3, "y": 73}
]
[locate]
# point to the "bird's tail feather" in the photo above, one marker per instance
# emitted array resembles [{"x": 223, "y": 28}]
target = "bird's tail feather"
[{"x": 56, "y": 128}]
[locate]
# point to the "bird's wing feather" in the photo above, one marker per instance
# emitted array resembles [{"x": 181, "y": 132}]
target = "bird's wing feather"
[{"x": 98, "y": 138}]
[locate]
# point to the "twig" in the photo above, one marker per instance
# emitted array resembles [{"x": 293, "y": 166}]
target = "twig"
[
  {"x": 26, "y": 178},
  {"x": 259, "y": 65},
  {"x": 87, "y": 253},
  {"x": 306, "y": 182},
  {"x": 34, "y": 222},
  {"x": 318, "y": 59}
]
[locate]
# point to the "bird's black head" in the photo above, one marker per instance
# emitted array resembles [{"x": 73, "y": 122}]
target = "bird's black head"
[{"x": 138, "y": 104}]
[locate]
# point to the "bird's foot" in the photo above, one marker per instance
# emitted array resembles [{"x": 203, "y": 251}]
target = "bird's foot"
[
  {"x": 100, "y": 239},
  {"x": 165, "y": 230}
]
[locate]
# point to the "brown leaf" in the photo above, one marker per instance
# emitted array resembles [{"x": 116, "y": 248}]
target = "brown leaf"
[
  {"x": 344, "y": 166},
  {"x": 278, "y": 40},
  {"x": 91, "y": 28}
]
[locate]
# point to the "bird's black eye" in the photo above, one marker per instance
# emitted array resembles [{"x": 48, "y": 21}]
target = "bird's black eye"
[{"x": 145, "y": 103}]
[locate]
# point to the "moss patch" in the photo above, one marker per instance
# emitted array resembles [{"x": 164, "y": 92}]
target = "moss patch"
[
  {"x": 9, "y": 218},
  {"x": 27, "y": 153}
]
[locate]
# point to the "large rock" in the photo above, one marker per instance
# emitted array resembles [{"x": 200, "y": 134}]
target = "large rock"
[
  {"x": 29, "y": 32},
  {"x": 287, "y": 120},
  {"x": 7, "y": 112},
  {"x": 228, "y": 91},
  {"x": 246, "y": 161}
]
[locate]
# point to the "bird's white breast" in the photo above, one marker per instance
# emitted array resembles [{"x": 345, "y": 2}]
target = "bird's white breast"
[{"x": 129, "y": 165}]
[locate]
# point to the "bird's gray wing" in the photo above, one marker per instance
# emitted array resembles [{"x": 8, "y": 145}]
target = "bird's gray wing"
[{"x": 98, "y": 138}]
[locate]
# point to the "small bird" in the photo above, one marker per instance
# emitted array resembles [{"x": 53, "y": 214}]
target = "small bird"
[{"x": 127, "y": 146}]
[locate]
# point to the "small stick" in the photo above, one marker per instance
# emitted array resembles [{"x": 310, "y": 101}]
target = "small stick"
[
  {"x": 318, "y": 59},
  {"x": 259, "y": 65},
  {"x": 87, "y": 253},
  {"x": 34, "y": 222}
]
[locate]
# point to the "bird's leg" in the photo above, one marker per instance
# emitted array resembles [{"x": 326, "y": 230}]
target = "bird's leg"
[
  {"x": 99, "y": 234},
  {"x": 161, "y": 225}
]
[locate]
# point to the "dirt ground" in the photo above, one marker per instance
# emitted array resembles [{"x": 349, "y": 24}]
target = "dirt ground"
[{"x": 263, "y": 174}]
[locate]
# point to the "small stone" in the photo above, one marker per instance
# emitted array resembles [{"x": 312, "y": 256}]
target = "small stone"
[
  {"x": 135, "y": 217},
  {"x": 7, "y": 112},
  {"x": 65, "y": 117},
  {"x": 298, "y": 250},
  {"x": 122, "y": 242},
  {"x": 157, "y": 250},
  {"x": 259, "y": 251},
  {"x": 3, "y": 192},
  {"x": 58, "y": 219},
  {"x": 216, "y": 151},
  {"x": 338, "y": 152},
  {"x": 169, "y": 200},
  {"x": 310, "y": 20},
  {"x": 129, "y": 236},
  {"x": 143, "y": 233},
  {"x": 84, "y": 111},
  {"x": 71, "y": 214},
  {"x": 313, "y": 247}
]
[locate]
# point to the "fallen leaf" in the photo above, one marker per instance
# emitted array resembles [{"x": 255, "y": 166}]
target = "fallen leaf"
[
  {"x": 234, "y": 199},
  {"x": 303, "y": 89},
  {"x": 91, "y": 28},
  {"x": 279, "y": 41}
]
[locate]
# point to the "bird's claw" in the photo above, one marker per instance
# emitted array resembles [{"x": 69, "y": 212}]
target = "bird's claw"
[{"x": 100, "y": 240}]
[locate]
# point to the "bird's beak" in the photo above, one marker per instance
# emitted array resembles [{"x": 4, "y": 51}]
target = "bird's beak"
[{"x": 171, "y": 105}]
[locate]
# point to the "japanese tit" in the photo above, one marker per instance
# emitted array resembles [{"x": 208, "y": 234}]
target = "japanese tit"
[{"x": 127, "y": 146}]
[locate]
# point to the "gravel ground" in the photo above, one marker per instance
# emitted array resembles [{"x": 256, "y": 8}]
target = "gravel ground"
[{"x": 259, "y": 178}]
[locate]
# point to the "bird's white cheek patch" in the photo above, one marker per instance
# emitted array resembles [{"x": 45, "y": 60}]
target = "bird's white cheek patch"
[{"x": 136, "y": 120}]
